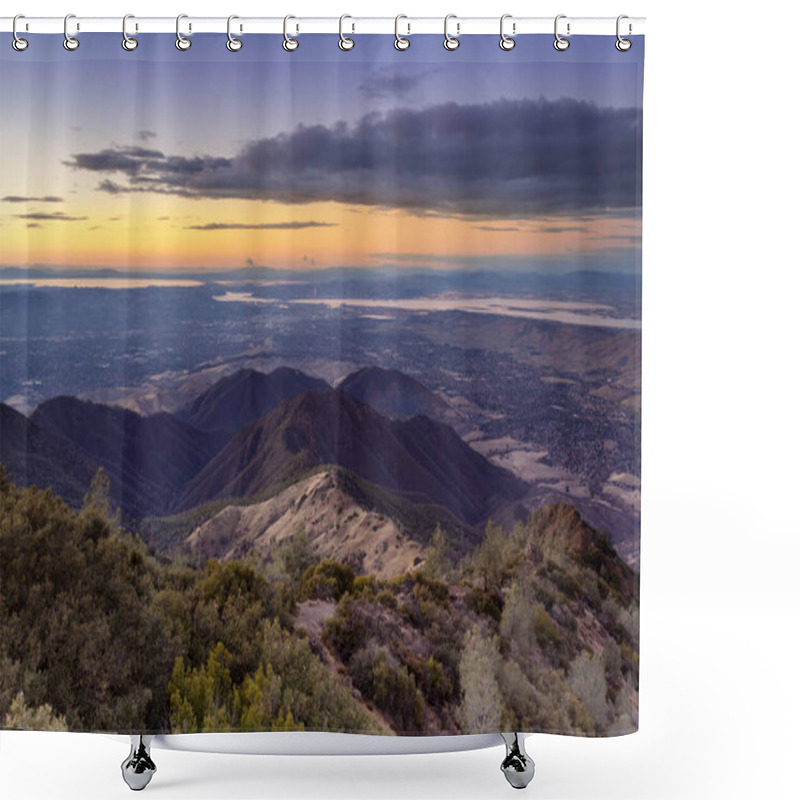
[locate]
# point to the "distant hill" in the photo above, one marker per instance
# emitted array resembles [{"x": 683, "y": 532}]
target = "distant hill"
[
  {"x": 395, "y": 394},
  {"x": 422, "y": 460},
  {"x": 245, "y": 396},
  {"x": 33, "y": 455},
  {"x": 149, "y": 460}
]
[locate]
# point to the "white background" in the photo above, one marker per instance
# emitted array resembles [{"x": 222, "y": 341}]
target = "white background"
[{"x": 720, "y": 605}]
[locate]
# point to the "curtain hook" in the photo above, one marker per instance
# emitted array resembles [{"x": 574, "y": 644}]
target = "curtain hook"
[
  {"x": 70, "y": 42},
  {"x": 129, "y": 43},
  {"x": 401, "y": 42},
  {"x": 451, "y": 42},
  {"x": 560, "y": 43},
  {"x": 623, "y": 45},
  {"x": 290, "y": 44},
  {"x": 233, "y": 44},
  {"x": 345, "y": 43},
  {"x": 182, "y": 42},
  {"x": 506, "y": 42},
  {"x": 19, "y": 44}
]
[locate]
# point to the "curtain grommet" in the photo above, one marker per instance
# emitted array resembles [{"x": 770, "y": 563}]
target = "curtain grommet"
[
  {"x": 561, "y": 43},
  {"x": 71, "y": 43},
  {"x": 182, "y": 42},
  {"x": 345, "y": 42},
  {"x": 451, "y": 43},
  {"x": 129, "y": 43},
  {"x": 290, "y": 43},
  {"x": 18, "y": 43},
  {"x": 622, "y": 44},
  {"x": 233, "y": 44},
  {"x": 507, "y": 42},
  {"x": 401, "y": 43}
]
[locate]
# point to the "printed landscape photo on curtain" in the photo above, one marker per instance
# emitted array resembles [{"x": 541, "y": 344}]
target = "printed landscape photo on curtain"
[{"x": 320, "y": 382}]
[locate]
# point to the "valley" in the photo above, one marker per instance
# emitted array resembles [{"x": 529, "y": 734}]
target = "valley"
[
  {"x": 553, "y": 404},
  {"x": 397, "y": 489}
]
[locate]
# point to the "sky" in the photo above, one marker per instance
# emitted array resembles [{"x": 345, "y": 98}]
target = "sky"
[{"x": 204, "y": 159}]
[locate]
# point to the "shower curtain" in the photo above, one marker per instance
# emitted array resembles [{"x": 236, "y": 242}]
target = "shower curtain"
[{"x": 320, "y": 383}]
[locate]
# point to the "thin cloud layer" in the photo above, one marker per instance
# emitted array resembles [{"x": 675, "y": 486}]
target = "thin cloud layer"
[
  {"x": 14, "y": 198},
  {"x": 259, "y": 226},
  {"x": 501, "y": 160},
  {"x": 58, "y": 216}
]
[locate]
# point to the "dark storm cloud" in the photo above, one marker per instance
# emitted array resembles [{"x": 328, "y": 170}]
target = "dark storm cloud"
[
  {"x": 13, "y": 198},
  {"x": 57, "y": 216},
  {"x": 503, "y": 160},
  {"x": 121, "y": 159},
  {"x": 259, "y": 226}
]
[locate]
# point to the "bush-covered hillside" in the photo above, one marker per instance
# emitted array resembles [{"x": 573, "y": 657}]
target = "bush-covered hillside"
[
  {"x": 537, "y": 629},
  {"x": 96, "y": 632}
]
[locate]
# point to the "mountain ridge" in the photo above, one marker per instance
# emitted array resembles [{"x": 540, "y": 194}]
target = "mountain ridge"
[
  {"x": 244, "y": 396},
  {"x": 418, "y": 459},
  {"x": 148, "y": 459},
  {"x": 396, "y": 394},
  {"x": 33, "y": 455}
]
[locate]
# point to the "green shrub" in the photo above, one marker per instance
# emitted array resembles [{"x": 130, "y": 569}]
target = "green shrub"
[
  {"x": 365, "y": 586},
  {"x": 380, "y": 678},
  {"x": 435, "y": 683},
  {"x": 346, "y": 630},
  {"x": 547, "y": 633},
  {"x": 328, "y": 580},
  {"x": 428, "y": 588},
  {"x": 42, "y": 718},
  {"x": 486, "y": 603},
  {"x": 387, "y": 599}
]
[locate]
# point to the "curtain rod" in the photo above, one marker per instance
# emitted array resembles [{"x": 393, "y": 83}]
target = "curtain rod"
[{"x": 377, "y": 25}]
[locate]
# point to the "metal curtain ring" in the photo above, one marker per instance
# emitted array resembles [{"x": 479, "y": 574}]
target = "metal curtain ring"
[
  {"x": 70, "y": 42},
  {"x": 128, "y": 42},
  {"x": 451, "y": 42},
  {"x": 290, "y": 44},
  {"x": 233, "y": 44},
  {"x": 623, "y": 45},
  {"x": 182, "y": 42},
  {"x": 506, "y": 42},
  {"x": 345, "y": 43},
  {"x": 18, "y": 43},
  {"x": 560, "y": 43},
  {"x": 401, "y": 42}
]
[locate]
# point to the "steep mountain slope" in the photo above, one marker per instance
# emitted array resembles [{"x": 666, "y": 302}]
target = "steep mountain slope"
[
  {"x": 395, "y": 394},
  {"x": 245, "y": 396},
  {"x": 34, "y": 455},
  {"x": 547, "y": 610},
  {"x": 419, "y": 459},
  {"x": 148, "y": 459},
  {"x": 324, "y": 507}
]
